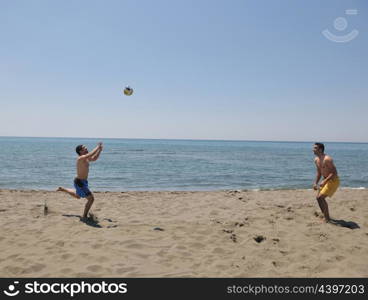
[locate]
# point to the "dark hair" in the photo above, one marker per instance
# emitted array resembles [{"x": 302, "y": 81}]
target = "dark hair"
[
  {"x": 78, "y": 149},
  {"x": 320, "y": 146}
]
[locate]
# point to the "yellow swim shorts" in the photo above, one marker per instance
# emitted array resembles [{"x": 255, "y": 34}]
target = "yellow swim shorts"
[{"x": 330, "y": 187}]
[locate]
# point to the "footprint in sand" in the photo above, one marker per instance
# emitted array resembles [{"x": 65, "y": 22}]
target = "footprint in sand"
[
  {"x": 180, "y": 247},
  {"x": 216, "y": 221},
  {"x": 66, "y": 271},
  {"x": 66, "y": 256},
  {"x": 125, "y": 270},
  {"x": 97, "y": 246},
  {"x": 275, "y": 240},
  {"x": 109, "y": 220},
  {"x": 13, "y": 270},
  {"x": 158, "y": 229},
  {"x": 94, "y": 268},
  {"x": 233, "y": 237},
  {"x": 101, "y": 259},
  {"x": 323, "y": 237},
  {"x": 318, "y": 215},
  {"x": 276, "y": 264},
  {"x": 243, "y": 200},
  {"x": 196, "y": 245},
  {"x": 259, "y": 238},
  {"x": 33, "y": 268},
  {"x": 339, "y": 257},
  {"x": 219, "y": 251},
  {"x": 135, "y": 246},
  {"x": 60, "y": 243}
]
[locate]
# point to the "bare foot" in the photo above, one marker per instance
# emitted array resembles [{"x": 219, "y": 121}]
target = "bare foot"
[
  {"x": 89, "y": 218},
  {"x": 84, "y": 219},
  {"x": 319, "y": 216},
  {"x": 93, "y": 217}
]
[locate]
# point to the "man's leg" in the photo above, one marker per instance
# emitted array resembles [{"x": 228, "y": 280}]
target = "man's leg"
[
  {"x": 319, "y": 203},
  {"x": 89, "y": 203},
  {"x": 68, "y": 191},
  {"x": 324, "y": 206}
]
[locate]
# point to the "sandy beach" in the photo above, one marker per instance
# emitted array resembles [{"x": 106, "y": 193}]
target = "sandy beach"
[{"x": 184, "y": 234}]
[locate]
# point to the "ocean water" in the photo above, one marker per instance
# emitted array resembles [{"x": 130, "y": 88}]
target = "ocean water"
[{"x": 140, "y": 164}]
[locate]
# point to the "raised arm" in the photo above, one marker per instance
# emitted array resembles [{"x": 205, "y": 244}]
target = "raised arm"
[
  {"x": 92, "y": 153},
  {"x": 97, "y": 155}
]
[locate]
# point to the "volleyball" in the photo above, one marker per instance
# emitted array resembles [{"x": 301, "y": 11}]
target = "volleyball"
[{"x": 128, "y": 91}]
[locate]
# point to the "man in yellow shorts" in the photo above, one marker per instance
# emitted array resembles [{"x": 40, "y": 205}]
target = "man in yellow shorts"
[{"x": 331, "y": 181}]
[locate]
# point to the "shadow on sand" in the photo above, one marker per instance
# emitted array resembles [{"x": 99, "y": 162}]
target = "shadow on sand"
[
  {"x": 90, "y": 221},
  {"x": 343, "y": 223}
]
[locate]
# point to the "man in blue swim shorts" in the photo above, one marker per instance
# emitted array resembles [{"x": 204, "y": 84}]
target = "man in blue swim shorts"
[{"x": 81, "y": 182}]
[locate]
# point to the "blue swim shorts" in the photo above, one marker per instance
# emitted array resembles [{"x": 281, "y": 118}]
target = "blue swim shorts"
[{"x": 81, "y": 187}]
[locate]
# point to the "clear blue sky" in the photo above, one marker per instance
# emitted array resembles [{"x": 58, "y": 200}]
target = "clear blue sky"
[{"x": 205, "y": 69}]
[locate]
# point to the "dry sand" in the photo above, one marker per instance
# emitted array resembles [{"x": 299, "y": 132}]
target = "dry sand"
[{"x": 183, "y": 234}]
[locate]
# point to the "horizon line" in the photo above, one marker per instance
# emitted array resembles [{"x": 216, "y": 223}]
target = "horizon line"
[{"x": 183, "y": 139}]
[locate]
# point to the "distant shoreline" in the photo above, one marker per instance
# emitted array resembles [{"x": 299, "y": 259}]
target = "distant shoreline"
[{"x": 182, "y": 139}]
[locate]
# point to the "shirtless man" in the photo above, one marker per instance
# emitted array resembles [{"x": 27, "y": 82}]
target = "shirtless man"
[
  {"x": 330, "y": 183},
  {"x": 81, "y": 182}
]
